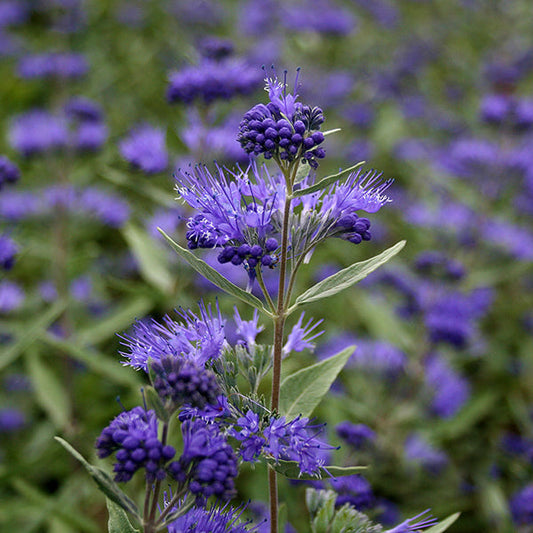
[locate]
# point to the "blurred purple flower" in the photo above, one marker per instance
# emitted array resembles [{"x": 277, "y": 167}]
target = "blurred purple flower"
[
  {"x": 11, "y": 296},
  {"x": 145, "y": 149},
  {"x": 48, "y": 65}
]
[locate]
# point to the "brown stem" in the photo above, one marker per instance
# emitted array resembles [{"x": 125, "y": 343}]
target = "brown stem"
[{"x": 279, "y": 325}]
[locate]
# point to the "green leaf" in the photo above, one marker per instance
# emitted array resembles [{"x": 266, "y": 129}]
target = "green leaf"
[
  {"x": 51, "y": 394},
  {"x": 214, "y": 277},
  {"x": 96, "y": 361},
  {"x": 118, "y": 519},
  {"x": 103, "y": 480},
  {"x": 302, "y": 391},
  {"x": 31, "y": 333},
  {"x": 326, "y": 182},
  {"x": 346, "y": 278},
  {"x": 444, "y": 525},
  {"x": 154, "y": 402},
  {"x": 151, "y": 258},
  {"x": 291, "y": 470}
]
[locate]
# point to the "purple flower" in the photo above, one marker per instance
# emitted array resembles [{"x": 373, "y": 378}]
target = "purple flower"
[
  {"x": 83, "y": 109},
  {"x": 166, "y": 219},
  {"x": 48, "y": 65},
  {"x": 414, "y": 524},
  {"x": 132, "y": 435},
  {"x": 215, "y": 48},
  {"x": 212, "y": 80},
  {"x": 198, "y": 339},
  {"x": 252, "y": 443},
  {"x": 8, "y": 251},
  {"x": 12, "y": 13},
  {"x": 284, "y": 128},
  {"x": 496, "y": 108},
  {"x": 15, "y": 206},
  {"x": 451, "y": 391},
  {"x": 181, "y": 381},
  {"x": 9, "y": 172},
  {"x": 300, "y": 337},
  {"x": 216, "y": 519},
  {"x": 419, "y": 451},
  {"x": 296, "y": 441},
  {"x": 358, "y": 436},
  {"x": 90, "y": 136},
  {"x": 11, "y": 296},
  {"x": 208, "y": 462},
  {"x": 378, "y": 357},
  {"x": 145, "y": 149},
  {"x": 107, "y": 208},
  {"x": 320, "y": 16},
  {"x": 11, "y": 420},
  {"x": 354, "y": 490},
  {"x": 248, "y": 329},
  {"x": 38, "y": 131},
  {"x": 521, "y": 505}
]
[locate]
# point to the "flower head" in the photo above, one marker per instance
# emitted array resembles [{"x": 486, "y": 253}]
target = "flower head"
[
  {"x": 144, "y": 148},
  {"x": 284, "y": 128},
  {"x": 9, "y": 172},
  {"x": 132, "y": 436},
  {"x": 196, "y": 338}
]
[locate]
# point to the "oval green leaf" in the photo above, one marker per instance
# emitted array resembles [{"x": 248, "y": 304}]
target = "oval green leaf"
[
  {"x": 302, "y": 391},
  {"x": 346, "y": 278},
  {"x": 118, "y": 519}
]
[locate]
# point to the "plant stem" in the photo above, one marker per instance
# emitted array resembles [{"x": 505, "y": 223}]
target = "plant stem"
[{"x": 279, "y": 324}]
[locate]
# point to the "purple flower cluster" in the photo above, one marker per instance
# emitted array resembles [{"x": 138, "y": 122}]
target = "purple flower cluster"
[
  {"x": 521, "y": 505},
  {"x": 93, "y": 202},
  {"x": 9, "y": 172},
  {"x": 358, "y": 436},
  {"x": 242, "y": 212},
  {"x": 144, "y": 148},
  {"x": 354, "y": 490},
  {"x": 11, "y": 296},
  {"x": 81, "y": 128},
  {"x": 501, "y": 109},
  {"x": 198, "y": 339},
  {"x": 132, "y": 435},
  {"x": 208, "y": 462},
  {"x": 53, "y": 65},
  {"x": 215, "y": 520},
  {"x": 450, "y": 390},
  {"x": 211, "y": 81},
  {"x": 180, "y": 381},
  {"x": 284, "y": 128},
  {"x": 8, "y": 251}
]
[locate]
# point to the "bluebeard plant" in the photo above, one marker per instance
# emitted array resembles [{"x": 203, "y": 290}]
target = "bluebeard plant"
[{"x": 207, "y": 378}]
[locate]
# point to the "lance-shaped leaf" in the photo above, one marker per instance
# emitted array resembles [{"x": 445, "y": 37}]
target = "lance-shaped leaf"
[
  {"x": 49, "y": 389},
  {"x": 291, "y": 470},
  {"x": 345, "y": 278},
  {"x": 302, "y": 391},
  {"x": 326, "y": 182},
  {"x": 214, "y": 277},
  {"x": 104, "y": 481},
  {"x": 150, "y": 257},
  {"x": 118, "y": 519},
  {"x": 444, "y": 525},
  {"x": 32, "y": 331}
]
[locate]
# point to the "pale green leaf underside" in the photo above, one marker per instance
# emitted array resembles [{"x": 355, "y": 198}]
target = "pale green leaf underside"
[
  {"x": 214, "y": 277},
  {"x": 118, "y": 519},
  {"x": 444, "y": 525},
  {"x": 346, "y": 278},
  {"x": 326, "y": 182},
  {"x": 150, "y": 257},
  {"x": 291, "y": 470},
  {"x": 302, "y": 391}
]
